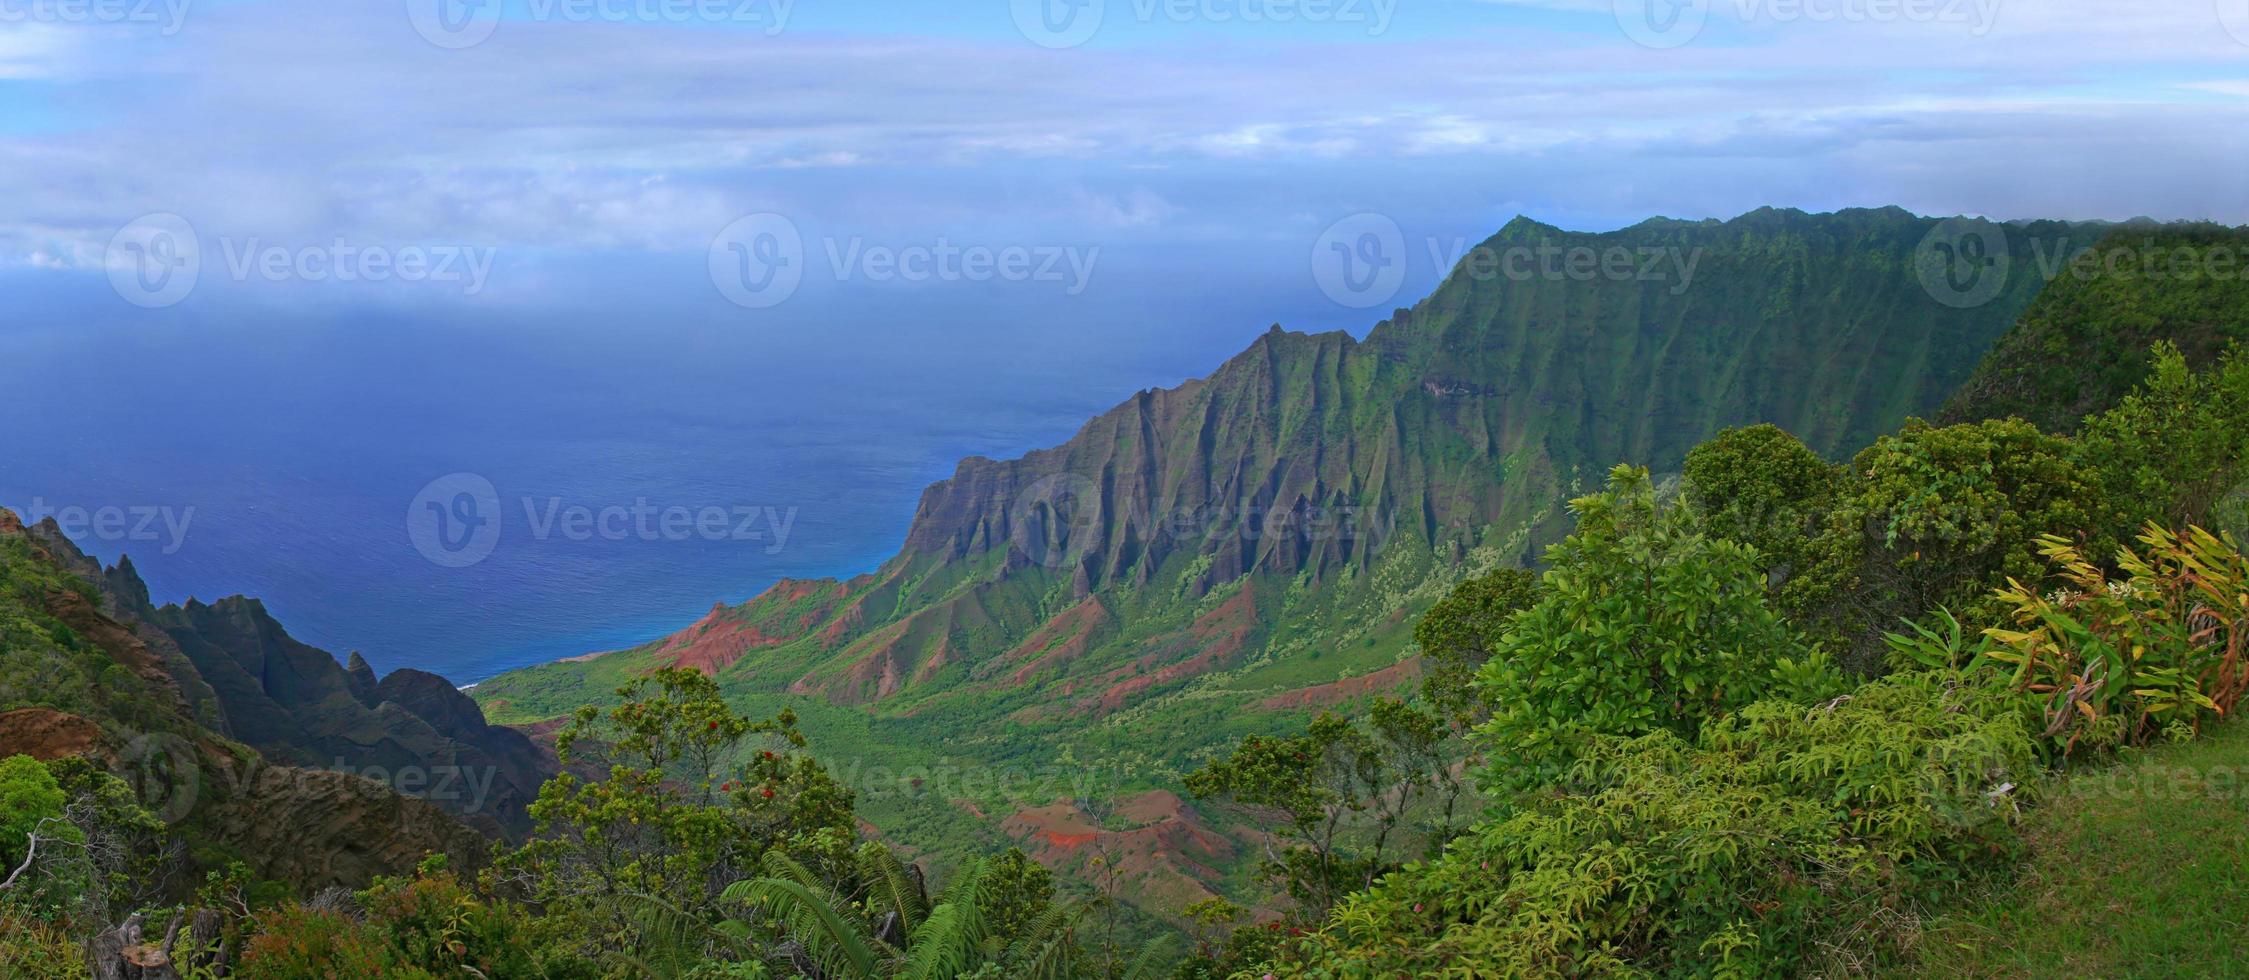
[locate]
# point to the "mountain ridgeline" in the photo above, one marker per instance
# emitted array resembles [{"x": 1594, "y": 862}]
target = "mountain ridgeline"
[
  {"x": 1321, "y": 458},
  {"x": 1203, "y": 560}
]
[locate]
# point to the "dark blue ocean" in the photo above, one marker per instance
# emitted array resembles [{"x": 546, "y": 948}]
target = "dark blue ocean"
[{"x": 275, "y": 445}]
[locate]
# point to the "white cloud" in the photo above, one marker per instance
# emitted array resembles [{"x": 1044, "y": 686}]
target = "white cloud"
[{"x": 336, "y": 120}]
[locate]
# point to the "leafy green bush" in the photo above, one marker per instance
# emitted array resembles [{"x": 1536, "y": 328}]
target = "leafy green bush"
[
  {"x": 427, "y": 925},
  {"x": 1940, "y": 517},
  {"x": 1764, "y": 488},
  {"x": 2169, "y": 451},
  {"x": 1786, "y": 837},
  {"x": 1337, "y": 796},
  {"x": 1459, "y": 633},
  {"x": 991, "y": 920},
  {"x": 689, "y": 804},
  {"x": 1644, "y": 624},
  {"x": 41, "y": 850}
]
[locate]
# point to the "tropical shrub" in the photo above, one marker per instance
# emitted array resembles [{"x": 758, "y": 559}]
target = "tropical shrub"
[
  {"x": 430, "y": 924},
  {"x": 1940, "y": 517},
  {"x": 41, "y": 849},
  {"x": 689, "y": 804},
  {"x": 1337, "y": 797},
  {"x": 983, "y": 924},
  {"x": 2122, "y": 660},
  {"x": 2172, "y": 450},
  {"x": 1644, "y": 624},
  {"x": 1458, "y": 634},
  {"x": 1764, "y": 488},
  {"x": 1785, "y": 837}
]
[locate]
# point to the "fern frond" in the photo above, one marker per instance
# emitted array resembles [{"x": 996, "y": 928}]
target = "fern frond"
[
  {"x": 1144, "y": 966},
  {"x": 838, "y": 942},
  {"x": 893, "y": 886}
]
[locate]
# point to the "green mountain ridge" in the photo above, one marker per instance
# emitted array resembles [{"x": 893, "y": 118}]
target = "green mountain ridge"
[
  {"x": 1217, "y": 558},
  {"x": 82, "y": 675},
  {"x": 2084, "y": 343}
]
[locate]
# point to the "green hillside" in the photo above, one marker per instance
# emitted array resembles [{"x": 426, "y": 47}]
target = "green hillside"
[
  {"x": 2084, "y": 342},
  {"x": 1225, "y": 557}
]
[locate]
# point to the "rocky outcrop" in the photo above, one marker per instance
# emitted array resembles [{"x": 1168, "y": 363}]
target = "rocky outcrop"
[
  {"x": 359, "y": 678},
  {"x": 76, "y": 642},
  {"x": 297, "y": 705}
]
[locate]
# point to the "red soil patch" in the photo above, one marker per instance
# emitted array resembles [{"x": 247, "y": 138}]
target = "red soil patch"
[
  {"x": 1166, "y": 859},
  {"x": 1061, "y": 641},
  {"x": 46, "y": 735},
  {"x": 724, "y": 635},
  {"x": 1338, "y": 691},
  {"x": 715, "y": 642},
  {"x": 1220, "y": 634}
]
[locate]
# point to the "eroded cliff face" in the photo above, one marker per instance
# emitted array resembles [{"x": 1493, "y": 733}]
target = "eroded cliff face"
[
  {"x": 1463, "y": 423},
  {"x": 89, "y": 676},
  {"x": 295, "y": 704}
]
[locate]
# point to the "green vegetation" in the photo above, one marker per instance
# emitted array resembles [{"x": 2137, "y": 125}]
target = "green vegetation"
[
  {"x": 1807, "y": 827},
  {"x": 1784, "y": 831},
  {"x": 1458, "y": 634},
  {"x": 1338, "y": 797},
  {"x": 2089, "y": 338},
  {"x": 1794, "y": 718},
  {"x": 1644, "y": 623},
  {"x": 2137, "y": 870}
]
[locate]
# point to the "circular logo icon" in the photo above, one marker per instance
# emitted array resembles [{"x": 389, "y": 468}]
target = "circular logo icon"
[
  {"x": 455, "y": 521},
  {"x": 1661, "y": 24},
  {"x": 1360, "y": 261},
  {"x": 155, "y": 261},
  {"x": 163, "y": 772},
  {"x": 1058, "y": 23},
  {"x": 1963, "y": 262},
  {"x": 2234, "y": 15},
  {"x": 1055, "y": 516},
  {"x": 758, "y": 262},
  {"x": 454, "y": 24}
]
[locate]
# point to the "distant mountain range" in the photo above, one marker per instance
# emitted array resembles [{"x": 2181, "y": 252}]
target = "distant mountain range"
[
  {"x": 1218, "y": 558},
  {"x": 1062, "y": 635}
]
